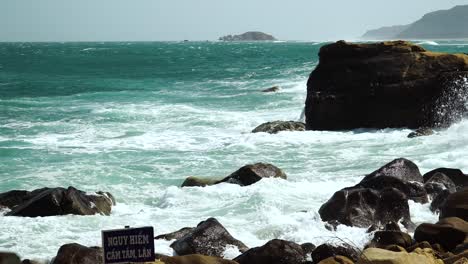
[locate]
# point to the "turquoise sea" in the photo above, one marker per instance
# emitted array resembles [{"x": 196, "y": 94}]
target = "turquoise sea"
[{"x": 137, "y": 118}]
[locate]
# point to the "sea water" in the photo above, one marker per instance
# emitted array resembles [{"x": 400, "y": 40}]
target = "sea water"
[{"x": 136, "y": 119}]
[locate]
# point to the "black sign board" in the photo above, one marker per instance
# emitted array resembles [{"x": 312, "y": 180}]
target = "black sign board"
[{"x": 128, "y": 245}]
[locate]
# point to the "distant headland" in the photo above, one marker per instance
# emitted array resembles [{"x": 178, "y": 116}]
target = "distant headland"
[
  {"x": 442, "y": 24},
  {"x": 249, "y": 36}
]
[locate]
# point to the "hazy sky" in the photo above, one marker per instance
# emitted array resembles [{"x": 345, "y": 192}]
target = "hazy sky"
[{"x": 120, "y": 20}]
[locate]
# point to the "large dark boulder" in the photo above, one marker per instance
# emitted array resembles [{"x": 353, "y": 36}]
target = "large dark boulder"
[
  {"x": 386, "y": 84},
  {"x": 60, "y": 201},
  {"x": 325, "y": 251},
  {"x": 455, "y": 175},
  {"x": 421, "y": 132},
  {"x": 448, "y": 232},
  {"x": 277, "y": 126},
  {"x": 276, "y": 251},
  {"x": 250, "y": 174},
  {"x": 78, "y": 254},
  {"x": 9, "y": 258},
  {"x": 456, "y": 205},
  {"x": 364, "y": 207},
  {"x": 401, "y": 168},
  {"x": 209, "y": 238}
]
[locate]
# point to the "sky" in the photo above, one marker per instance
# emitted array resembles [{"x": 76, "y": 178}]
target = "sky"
[{"x": 161, "y": 20}]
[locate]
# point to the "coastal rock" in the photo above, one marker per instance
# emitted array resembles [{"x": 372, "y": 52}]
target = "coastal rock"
[
  {"x": 177, "y": 234},
  {"x": 209, "y": 238},
  {"x": 78, "y": 254},
  {"x": 192, "y": 259},
  {"x": 199, "y": 182},
  {"x": 382, "y": 256},
  {"x": 9, "y": 258},
  {"x": 336, "y": 260},
  {"x": 247, "y": 175},
  {"x": 413, "y": 190},
  {"x": 252, "y": 173},
  {"x": 363, "y": 207},
  {"x": 456, "y": 205},
  {"x": 439, "y": 200},
  {"x": 277, "y": 126},
  {"x": 275, "y": 251},
  {"x": 249, "y": 36},
  {"x": 402, "y": 169},
  {"x": 448, "y": 232},
  {"x": 387, "y": 84},
  {"x": 326, "y": 251},
  {"x": 439, "y": 182},
  {"x": 457, "y": 176},
  {"x": 273, "y": 89},
  {"x": 383, "y": 239},
  {"x": 420, "y": 132},
  {"x": 13, "y": 198},
  {"x": 60, "y": 201}
]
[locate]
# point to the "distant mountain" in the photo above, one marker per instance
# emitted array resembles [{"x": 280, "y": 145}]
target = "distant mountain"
[
  {"x": 384, "y": 32},
  {"x": 443, "y": 24},
  {"x": 248, "y": 36}
]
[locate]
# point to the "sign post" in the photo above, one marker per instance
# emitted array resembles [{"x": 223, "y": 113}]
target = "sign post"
[{"x": 128, "y": 245}]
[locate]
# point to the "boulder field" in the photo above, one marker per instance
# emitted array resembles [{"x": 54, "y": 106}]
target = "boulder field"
[{"x": 386, "y": 84}]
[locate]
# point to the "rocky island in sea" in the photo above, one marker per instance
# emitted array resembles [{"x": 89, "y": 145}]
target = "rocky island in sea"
[
  {"x": 249, "y": 36},
  {"x": 442, "y": 24}
]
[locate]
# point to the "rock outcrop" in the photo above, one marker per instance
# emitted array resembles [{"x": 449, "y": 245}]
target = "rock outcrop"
[
  {"x": 381, "y": 197},
  {"x": 249, "y": 36},
  {"x": 209, "y": 238},
  {"x": 78, "y": 254},
  {"x": 387, "y": 84},
  {"x": 276, "y": 251},
  {"x": 191, "y": 259},
  {"x": 277, "y": 126},
  {"x": 246, "y": 175},
  {"x": 56, "y": 201}
]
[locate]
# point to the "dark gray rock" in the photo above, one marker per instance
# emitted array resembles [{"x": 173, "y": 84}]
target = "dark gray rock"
[
  {"x": 9, "y": 258},
  {"x": 383, "y": 239},
  {"x": 177, "y": 234},
  {"x": 60, "y": 201},
  {"x": 278, "y": 126},
  {"x": 325, "y": 251},
  {"x": 420, "y": 132},
  {"x": 78, "y": 254},
  {"x": 275, "y": 251},
  {"x": 457, "y": 176},
  {"x": 252, "y": 173},
  {"x": 209, "y": 238},
  {"x": 455, "y": 205},
  {"x": 273, "y": 89},
  {"x": 364, "y": 207},
  {"x": 401, "y": 168}
]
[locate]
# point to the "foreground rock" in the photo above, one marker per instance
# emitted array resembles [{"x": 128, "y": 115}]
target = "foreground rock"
[
  {"x": 456, "y": 205},
  {"x": 9, "y": 258},
  {"x": 381, "y": 197},
  {"x": 78, "y": 254},
  {"x": 56, "y": 201},
  {"x": 209, "y": 238},
  {"x": 192, "y": 259},
  {"x": 387, "y": 84},
  {"x": 275, "y": 251},
  {"x": 277, "y": 126},
  {"x": 448, "y": 232},
  {"x": 382, "y": 256},
  {"x": 326, "y": 251},
  {"x": 247, "y": 175}
]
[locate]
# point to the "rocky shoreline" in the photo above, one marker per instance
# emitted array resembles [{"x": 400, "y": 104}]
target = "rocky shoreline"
[
  {"x": 379, "y": 202},
  {"x": 354, "y": 86}
]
